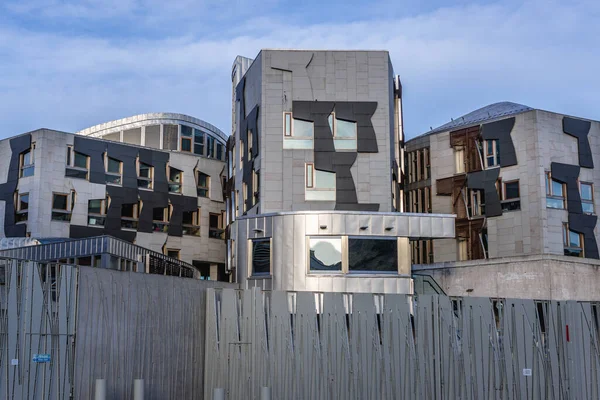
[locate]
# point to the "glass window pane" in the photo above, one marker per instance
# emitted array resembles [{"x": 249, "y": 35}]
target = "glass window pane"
[
  {"x": 80, "y": 160},
  {"x": 219, "y": 151},
  {"x": 186, "y": 144},
  {"x": 27, "y": 157},
  {"x": 170, "y": 137},
  {"x": 113, "y": 166},
  {"x": 377, "y": 255},
  {"x": 330, "y": 120},
  {"x": 490, "y": 161},
  {"x": 115, "y": 179},
  {"x": 490, "y": 147},
  {"x": 511, "y": 190},
  {"x": 198, "y": 142},
  {"x": 344, "y": 144},
  {"x": 127, "y": 210},
  {"x": 24, "y": 202},
  {"x": 557, "y": 188},
  {"x": 309, "y": 175},
  {"x": 145, "y": 170},
  {"x": 324, "y": 180},
  {"x": 319, "y": 195},
  {"x": 345, "y": 129},
  {"x": 174, "y": 175},
  {"x": 303, "y": 128},
  {"x": 202, "y": 192},
  {"x": 288, "y": 125},
  {"x": 325, "y": 254},
  {"x": 188, "y": 218},
  {"x": 210, "y": 146},
  {"x": 554, "y": 203},
  {"x": 291, "y": 144},
  {"x": 261, "y": 257},
  {"x": 186, "y": 130},
  {"x": 213, "y": 221},
  {"x": 202, "y": 179},
  {"x": 59, "y": 202},
  {"x": 588, "y": 208},
  {"x": 586, "y": 191},
  {"x": 574, "y": 239},
  {"x": 95, "y": 206}
]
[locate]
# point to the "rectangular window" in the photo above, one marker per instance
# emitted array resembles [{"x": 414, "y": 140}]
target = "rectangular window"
[
  {"x": 245, "y": 196},
  {"x": 555, "y": 193},
  {"x": 287, "y": 124},
  {"x": 203, "y": 185},
  {"x": 256, "y": 186},
  {"x": 160, "y": 219},
  {"x": 173, "y": 253},
  {"x": 477, "y": 203},
  {"x": 573, "y": 242},
  {"x": 309, "y": 175},
  {"x": 198, "y": 142},
  {"x": 97, "y": 212},
  {"x": 459, "y": 160},
  {"x": 145, "y": 175},
  {"x": 26, "y": 162},
  {"x": 22, "y": 207},
  {"x": 186, "y": 144},
  {"x": 463, "y": 249},
  {"x": 510, "y": 195},
  {"x": 220, "y": 152},
  {"x": 587, "y": 197},
  {"x": 175, "y": 179},
  {"x": 114, "y": 171},
  {"x": 215, "y": 226},
  {"x": 191, "y": 222},
  {"x": 325, "y": 254},
  {"x": 492, "y": 155},
  {"x": 62, "y": 206},
  {"x": 261, "y": 256},
  {"x": 373, "y": 255},
  {"x": 130, "y": 215},
  {"x": 210, "y": 146},
  {"x": 77, "y": 164},
  {"x": 250, "y": 155}
]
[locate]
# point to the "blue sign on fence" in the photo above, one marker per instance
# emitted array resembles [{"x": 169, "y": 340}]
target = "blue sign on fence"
[{"x": 41, "y": 358}]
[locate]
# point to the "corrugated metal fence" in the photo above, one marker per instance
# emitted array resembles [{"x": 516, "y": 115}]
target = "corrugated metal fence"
[{"x": 363, "y": 346}]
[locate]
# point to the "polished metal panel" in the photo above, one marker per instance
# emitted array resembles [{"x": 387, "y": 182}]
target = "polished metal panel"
[{"x": 290, "y": 249}]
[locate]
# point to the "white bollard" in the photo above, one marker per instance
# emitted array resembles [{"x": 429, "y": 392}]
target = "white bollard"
[
  {"x": 265, "y": 393},
  {"x": 100, "y": 389},
  {"x": 219, "y": 394},
  {"x": 138, "y": 389}
]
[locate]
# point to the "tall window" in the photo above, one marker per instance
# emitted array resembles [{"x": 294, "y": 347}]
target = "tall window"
[
  {"x": 256, "y": 186},
  {"x": 459, "y": 160},
  {"x": 78, "y": 164},
  {"x": 510, "y": 195},
  {"x": 97, "y": 212},
  {"x": 186, "y": 138},
  {"x": 250, "y": 144},
  {"x": 26, "y": 162},
  {"x": 492, "y": 155},
  {"x": 215, "y": 226},
  {"x": 175, "y": 179},
  {"x": 320, "y": 185},
  {"x": 477, "y": 203},
  {"x": 210, "y": 146},
  {"x": 22, "y": 207},
  {"x": 344, "y": 133},
  {"x": 555, "y": 193},
  {"x": 245, "y": 196},
  {"x": 261, "y": 256},
  {"x": 573, "y": 242},
  {"x": 203, "y": 189},
  {"x": 463, "y": 249},
  {"x": 145, "y": 175},
  {"x": 198, "y": 142},
  {"x": 287, "y": 124},
  {"x": 62, "y": 206},
  {"x": 160, "y": 219},
  {"x": 191, "y": 222},
  {"x": 220, "y": 152},
  {"x": 587, "y": 197},
  {"x": 130, "y": 215},
  {"x": 114, "y": 171}
]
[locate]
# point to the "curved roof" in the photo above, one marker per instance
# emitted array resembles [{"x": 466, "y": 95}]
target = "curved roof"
[
  {"x": 149, "y": 119},
  {"x": 489, "y": 112}
]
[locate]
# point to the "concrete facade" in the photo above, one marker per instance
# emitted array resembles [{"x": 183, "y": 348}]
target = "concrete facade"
[
  {"x": 199, "y": 245},
  {"x": 302, "y": 118}
]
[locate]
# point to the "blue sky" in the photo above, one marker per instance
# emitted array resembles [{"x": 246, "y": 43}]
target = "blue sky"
[{"x": 70, "y": 64}]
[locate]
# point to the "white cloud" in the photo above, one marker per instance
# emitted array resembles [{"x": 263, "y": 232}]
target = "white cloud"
[{"x": 451, "y": 61}]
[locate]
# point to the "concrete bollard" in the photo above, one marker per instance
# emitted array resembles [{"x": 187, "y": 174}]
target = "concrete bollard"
[
  {"x": 219, "y": 394},
  {"x": 138, "y": 389},
  {"x": 100, "y": 389},
  {"x": 265, "y": 393}
]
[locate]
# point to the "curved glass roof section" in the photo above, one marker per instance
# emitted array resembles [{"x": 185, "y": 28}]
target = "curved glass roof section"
[{"x": 152, "y": 119}]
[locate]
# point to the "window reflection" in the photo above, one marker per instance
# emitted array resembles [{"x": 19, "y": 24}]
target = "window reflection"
[{"x": 326, "y": 254}]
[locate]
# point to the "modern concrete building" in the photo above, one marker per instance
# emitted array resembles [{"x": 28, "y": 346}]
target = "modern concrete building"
[
  {"x": 314, "y": 182},
  {"x": 523, "y": 186},
  {"x": 161, "y": 188}
]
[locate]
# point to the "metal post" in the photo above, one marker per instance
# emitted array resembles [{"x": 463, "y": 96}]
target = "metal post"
[
  {"x": 138, "y": 389},
  {"x": 219, "y": 394},
  {"x": 100, "y": 389},
  {"x": 265, "y": 393}
]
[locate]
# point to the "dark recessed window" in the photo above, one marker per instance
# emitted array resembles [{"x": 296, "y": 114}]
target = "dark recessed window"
[
  {"x": 510, "y": 196},
  {"x": 261, "y": 257},
  {"x": 203, "y": 189},
  {"x": 372, "y": 255},
  {"x": 145, "y": 175},
  {"x": 198, "y": 142}
]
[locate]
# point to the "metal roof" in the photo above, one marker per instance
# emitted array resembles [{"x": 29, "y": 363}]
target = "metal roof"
[{"x": 490, "y": 112}]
